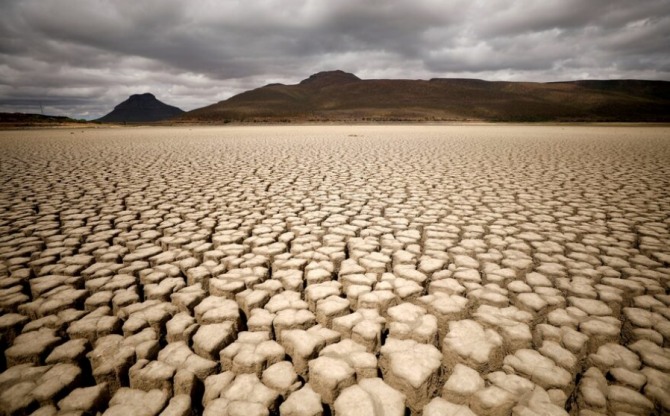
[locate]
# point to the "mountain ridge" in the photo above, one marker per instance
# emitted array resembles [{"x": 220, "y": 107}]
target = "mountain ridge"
[{"x": 341, "y": 96}]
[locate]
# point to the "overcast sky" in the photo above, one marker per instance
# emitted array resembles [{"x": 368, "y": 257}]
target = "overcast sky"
[{"x": 81, "y": 57}]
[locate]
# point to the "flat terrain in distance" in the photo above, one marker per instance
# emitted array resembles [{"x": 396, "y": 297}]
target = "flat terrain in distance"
[{"x": 351, "y": 270}]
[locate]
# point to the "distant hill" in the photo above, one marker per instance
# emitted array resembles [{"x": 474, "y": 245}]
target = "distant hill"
[
  {"x": 141, "y": 108},
  {"x": 341, "y": 96},
  {"x": 34, "y": 120}
]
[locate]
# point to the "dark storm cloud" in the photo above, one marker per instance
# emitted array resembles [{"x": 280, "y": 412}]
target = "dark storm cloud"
[{"x": 81, "y": 57}]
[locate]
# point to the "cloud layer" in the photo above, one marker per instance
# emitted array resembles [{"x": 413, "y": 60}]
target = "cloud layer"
[{"x": 81, "y": 57}]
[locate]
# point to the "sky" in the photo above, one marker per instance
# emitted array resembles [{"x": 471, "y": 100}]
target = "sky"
[{"x": 82, "y": 57}]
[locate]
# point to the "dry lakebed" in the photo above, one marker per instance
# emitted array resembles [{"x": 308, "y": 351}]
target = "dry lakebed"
[{"x": 335, "y": 270}]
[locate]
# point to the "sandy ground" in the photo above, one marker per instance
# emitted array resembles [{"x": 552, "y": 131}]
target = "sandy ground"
[{"x": 356, "y": 270}]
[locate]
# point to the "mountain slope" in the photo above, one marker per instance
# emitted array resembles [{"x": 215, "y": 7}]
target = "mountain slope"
[
  {"x": 339, "y": 96},
  {"x": 139, "y": 108}
]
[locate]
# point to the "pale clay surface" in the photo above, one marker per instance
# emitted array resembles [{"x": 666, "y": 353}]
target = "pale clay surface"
[{"x": 436, "y": 270}]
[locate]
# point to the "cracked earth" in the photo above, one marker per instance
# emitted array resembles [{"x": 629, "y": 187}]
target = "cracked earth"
[{"x": 347, "y": 270}]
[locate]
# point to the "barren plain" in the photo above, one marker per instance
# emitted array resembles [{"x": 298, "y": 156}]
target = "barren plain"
[{"x": 347, "y": 270}]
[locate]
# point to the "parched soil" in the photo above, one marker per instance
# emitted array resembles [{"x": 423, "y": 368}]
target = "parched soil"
[{"x": 347, "y": 270}]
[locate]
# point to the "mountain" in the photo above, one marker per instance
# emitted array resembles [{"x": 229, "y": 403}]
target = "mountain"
[
  {"x": 341, "y": 96},
  {"x": 140, "y": 108}
]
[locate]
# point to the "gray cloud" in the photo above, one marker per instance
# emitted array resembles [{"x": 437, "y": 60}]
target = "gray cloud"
[{"x": 81, "y": 57}]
